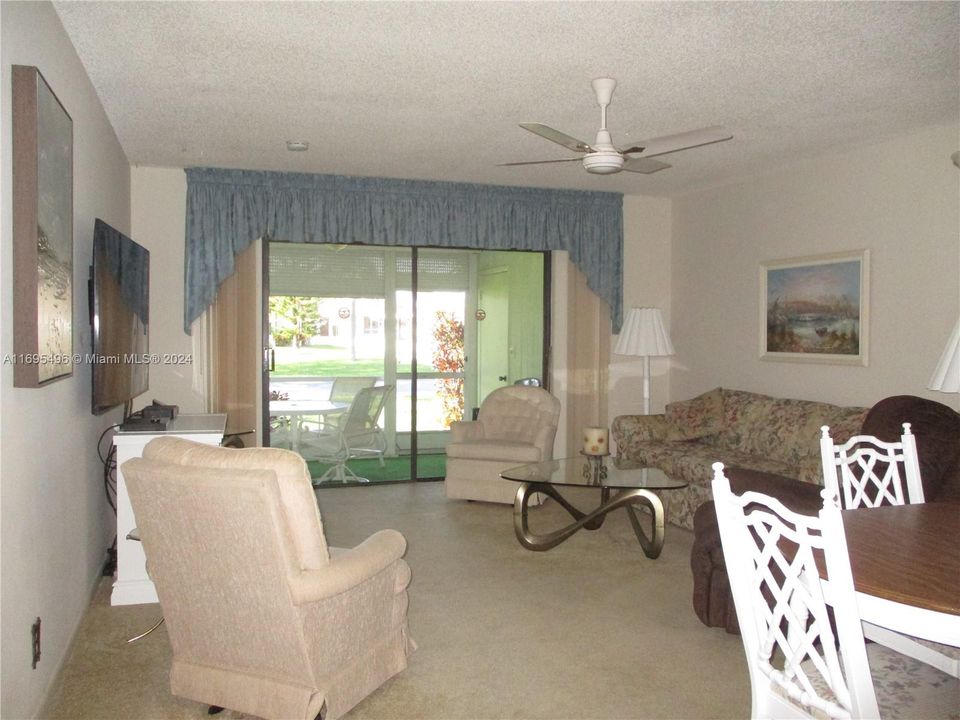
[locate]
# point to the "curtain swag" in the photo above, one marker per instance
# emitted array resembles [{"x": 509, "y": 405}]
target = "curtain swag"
[{"x": 229, "y": 209}]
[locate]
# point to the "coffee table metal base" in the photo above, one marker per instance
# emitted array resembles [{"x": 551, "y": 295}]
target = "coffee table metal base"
[{"x": 652, "y": 544}]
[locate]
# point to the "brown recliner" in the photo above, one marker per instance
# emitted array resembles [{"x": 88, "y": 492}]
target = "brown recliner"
[{"x": 937, "y": 430}]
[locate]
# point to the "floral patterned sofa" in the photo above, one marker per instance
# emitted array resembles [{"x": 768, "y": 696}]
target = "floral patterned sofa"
[
  {"x": 742, "y": 429},
  {"x": 937, "y": 430}
]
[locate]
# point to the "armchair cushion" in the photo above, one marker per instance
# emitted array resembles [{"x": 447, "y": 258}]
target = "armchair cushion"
[
  {"x": 516, "y": 413},
  {"x": 461, "y": 430},
  {"x": 297, "y": 497},
  {"x": 507, "y": 450}
]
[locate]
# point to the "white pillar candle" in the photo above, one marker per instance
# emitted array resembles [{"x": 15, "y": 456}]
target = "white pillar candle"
[{"x": 595, "y": 441}]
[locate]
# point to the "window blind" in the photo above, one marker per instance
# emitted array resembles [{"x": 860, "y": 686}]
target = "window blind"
[{"x": 358, "y": 271}]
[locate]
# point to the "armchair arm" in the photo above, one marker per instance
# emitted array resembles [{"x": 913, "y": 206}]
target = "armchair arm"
[
  {"x": 544, "y": 440},
  {"x": 461, "y": 430},
  {"x": 628, "y": 430},
  {"x": 348, "y": 569}
]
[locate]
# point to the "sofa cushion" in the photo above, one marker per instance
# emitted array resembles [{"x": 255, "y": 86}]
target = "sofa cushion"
[
  {"x": 696, "y": 465},
  {"x": 696, "y": 418},
  {"x": 793, "y": 429},
  {"x": 653, "y": 453},
  {"x": 783, "y": 429},
  {"x": 744, "y": 415}
]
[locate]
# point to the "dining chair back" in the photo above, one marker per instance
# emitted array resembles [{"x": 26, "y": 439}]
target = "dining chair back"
[
  {"x": 867, "y": 471},
  {"x": 770, "y": 557},
  {"x": 804, "y": 660}
]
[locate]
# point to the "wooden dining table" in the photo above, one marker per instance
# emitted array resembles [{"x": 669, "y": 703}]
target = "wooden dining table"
[{"x": 905, "y": 561}]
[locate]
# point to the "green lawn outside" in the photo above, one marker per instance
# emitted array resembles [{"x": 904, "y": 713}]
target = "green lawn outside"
[{"x": 328, "y": 361}]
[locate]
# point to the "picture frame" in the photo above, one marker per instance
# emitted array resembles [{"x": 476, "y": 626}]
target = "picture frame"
[
  {"x": 42, "y": 232},
  {"x": 816, "y": 309}
]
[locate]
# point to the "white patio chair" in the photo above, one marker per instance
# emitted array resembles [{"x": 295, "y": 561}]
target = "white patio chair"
[
  {"x": 358, "y": 434},
  {"x": 281, "y": 431},
  {"x": 798, "y": 667},
  {"x": 343, "y": 390},
  {"x": 868, "y": 472}
]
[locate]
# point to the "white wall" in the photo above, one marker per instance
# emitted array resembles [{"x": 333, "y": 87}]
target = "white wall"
[
  {"x": 646, "y": 283},
  {"x": 898, "y": 199},
  {"x": 56, "y": 524},
  {"x": 158, "y": 209}
]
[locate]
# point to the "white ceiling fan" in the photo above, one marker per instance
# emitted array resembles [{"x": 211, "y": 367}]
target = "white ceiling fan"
[{"x": 603, "y": 158}]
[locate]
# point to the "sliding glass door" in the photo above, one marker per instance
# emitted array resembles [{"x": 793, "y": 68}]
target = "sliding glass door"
[{"x": 436, "y": 329}]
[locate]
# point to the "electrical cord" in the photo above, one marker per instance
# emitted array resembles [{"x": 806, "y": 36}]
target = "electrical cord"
[
  {"x": 100, "y": 442},
  {"x": 109, "y": 469}
]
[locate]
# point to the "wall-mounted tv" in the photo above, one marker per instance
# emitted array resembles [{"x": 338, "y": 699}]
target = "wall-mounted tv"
[{"x": 119, "y": 305}]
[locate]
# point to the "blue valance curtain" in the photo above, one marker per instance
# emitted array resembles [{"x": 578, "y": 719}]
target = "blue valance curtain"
[{"x": 229, "y": 209}]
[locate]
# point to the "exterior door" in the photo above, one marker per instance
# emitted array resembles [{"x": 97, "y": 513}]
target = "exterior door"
[{"x": 493, "y": 330}]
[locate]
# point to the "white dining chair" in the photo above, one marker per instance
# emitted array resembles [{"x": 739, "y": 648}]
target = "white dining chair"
[
  {"x": 799, "y": 667},
  {"x": 868, "y": 472}
]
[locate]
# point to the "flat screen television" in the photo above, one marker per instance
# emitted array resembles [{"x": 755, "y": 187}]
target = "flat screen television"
[{"x": 119, "y": 305}]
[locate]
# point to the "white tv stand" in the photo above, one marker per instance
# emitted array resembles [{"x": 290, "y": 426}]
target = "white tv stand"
[{"x": 133, "y": 586}]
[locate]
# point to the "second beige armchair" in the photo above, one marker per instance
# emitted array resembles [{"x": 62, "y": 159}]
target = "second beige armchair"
[
  {"x": 516, "y": 425},
  {"x": 263, "y": 618}
]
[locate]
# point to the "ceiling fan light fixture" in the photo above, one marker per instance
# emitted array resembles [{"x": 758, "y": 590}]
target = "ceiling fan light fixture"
[
  {"x": 603, "y": 163},
  {"x": 603, "y": 157}
]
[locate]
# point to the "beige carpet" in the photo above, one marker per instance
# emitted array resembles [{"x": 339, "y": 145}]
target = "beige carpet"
[{"x": 590, "y": 629}]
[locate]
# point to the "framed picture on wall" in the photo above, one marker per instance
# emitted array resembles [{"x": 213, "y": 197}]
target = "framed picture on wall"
[
  {"x": 42, "y": 232},
  {"x": 815, "y": 309}
]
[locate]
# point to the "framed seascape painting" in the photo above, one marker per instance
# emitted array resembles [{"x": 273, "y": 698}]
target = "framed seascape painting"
[
  {"x": 815, "y": 309},
  {"x": 42, "y": 232}
]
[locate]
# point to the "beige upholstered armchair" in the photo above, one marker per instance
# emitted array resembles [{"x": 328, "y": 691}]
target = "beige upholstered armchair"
[
  {"x": 262, "y": 618},
  {"x": 516, "y": 425}
]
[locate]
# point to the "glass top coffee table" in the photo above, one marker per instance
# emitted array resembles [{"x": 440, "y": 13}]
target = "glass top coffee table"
[{"x": 617, "y": 487}]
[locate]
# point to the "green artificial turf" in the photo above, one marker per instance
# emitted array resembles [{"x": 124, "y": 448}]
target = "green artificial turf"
[{"x": 395, "y": 469}]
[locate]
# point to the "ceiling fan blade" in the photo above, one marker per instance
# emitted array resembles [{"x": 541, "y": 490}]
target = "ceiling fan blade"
[
  {"x": 681, "y": 141},
  {"x": 539, "y": 162},
  {"x": 644, "y": 165},
  {"x": 556, "y": 136}
]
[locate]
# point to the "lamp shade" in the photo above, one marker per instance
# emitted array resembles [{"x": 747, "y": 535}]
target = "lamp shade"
[
  {"x": 643, "y": 334},
  {"x": 946, "y": 378}
]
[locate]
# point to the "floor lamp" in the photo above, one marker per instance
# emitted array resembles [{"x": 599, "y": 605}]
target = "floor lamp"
[
  {"x": 644, "y": 335},
  {"x": 946, "y": 376}
]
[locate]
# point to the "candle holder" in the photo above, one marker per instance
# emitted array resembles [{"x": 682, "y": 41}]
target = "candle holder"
[{"x": 594, "y": 470}]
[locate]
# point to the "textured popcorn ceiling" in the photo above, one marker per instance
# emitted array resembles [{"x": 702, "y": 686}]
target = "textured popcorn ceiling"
[{"x": 435, "y": 90}]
